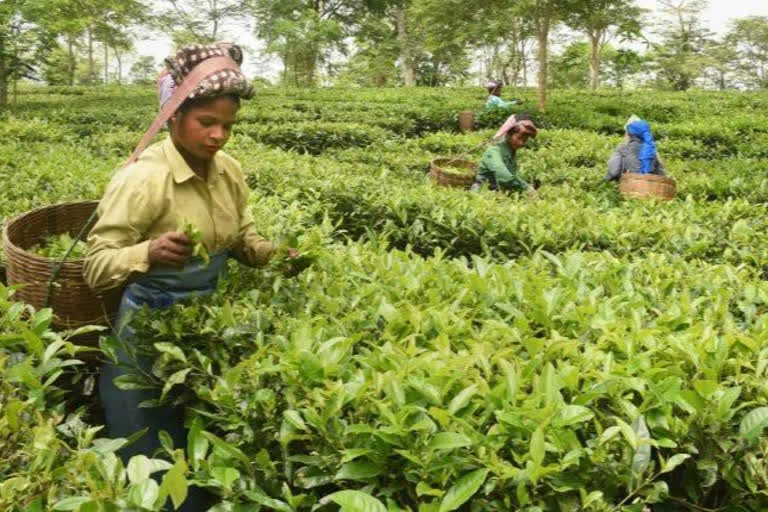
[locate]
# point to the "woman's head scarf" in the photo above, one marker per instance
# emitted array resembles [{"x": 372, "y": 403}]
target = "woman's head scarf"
[
  {"x": 227, "y": 81},
  {"x": 492, "y": 85},
  {"x": 642, "y": 130},
  {"x": 524, "y": 123}
]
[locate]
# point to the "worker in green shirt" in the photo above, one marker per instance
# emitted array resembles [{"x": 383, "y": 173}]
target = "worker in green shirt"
[
  {"x": 498, "y": 167},
  {"x": 494, "y": 96}
]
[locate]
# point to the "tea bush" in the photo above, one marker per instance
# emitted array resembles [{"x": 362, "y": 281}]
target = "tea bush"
[{"x": 446, "y": 350}]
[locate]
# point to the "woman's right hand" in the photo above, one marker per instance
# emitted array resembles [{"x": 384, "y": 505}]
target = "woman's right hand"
[{"x": 172, "y": 248}]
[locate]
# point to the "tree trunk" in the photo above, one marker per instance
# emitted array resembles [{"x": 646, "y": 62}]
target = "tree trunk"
[
  {"x": 3, "y": 76},
  {"x": 71, "y": 61},
  {"x": 119, "y": 58},
  {"x": 594, "y": 61},
  {"x": 436, "y": 76},
  {"x": 524, "y": 63},
  {"x": 406, "y": 58},
  {"x": 379, "y": 79},
  {"x": 106, "y": 64},
  {"x": 310, "y": 62},
  {"x": 542, "y": 34},
  {"x": 90, "y": 57},
  {"x": 495, "y": 63}
]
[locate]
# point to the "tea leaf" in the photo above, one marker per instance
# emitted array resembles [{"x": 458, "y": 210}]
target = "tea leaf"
[
  {"x": 674, "y": 461},
  {"x": 172, "y": 350},
  {"x": 71, "y": 503},
  {"x": 356, "y": 501},
  {"x": 139, "y": 469},
  {"x": 462, "y": 399},
  {"x": 537, "y": 449},
  {"x": 753, "y": 423},
  {"x": 174, "y": 484},
  {"x": 573, "y": 414},
  {"x": 449, "y": 441},
  {"x": 358, "y": 470},
  {"x": 642, "y": 457},
  {"x": 464, "y": 489}
]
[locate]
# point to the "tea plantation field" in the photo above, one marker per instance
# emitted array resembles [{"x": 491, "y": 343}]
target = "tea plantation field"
[{"x": 447, "y": 350}]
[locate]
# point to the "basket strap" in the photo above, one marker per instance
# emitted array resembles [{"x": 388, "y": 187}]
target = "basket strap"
[{"x": 190, "y": 83}]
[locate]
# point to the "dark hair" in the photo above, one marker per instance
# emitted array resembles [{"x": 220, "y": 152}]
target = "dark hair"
[
  {"x": 204, "y": 101},
  {"x": 523, "y": 116}
]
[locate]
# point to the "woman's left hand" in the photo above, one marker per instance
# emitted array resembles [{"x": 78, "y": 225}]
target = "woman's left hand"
[{"x": 291, "y": 269}]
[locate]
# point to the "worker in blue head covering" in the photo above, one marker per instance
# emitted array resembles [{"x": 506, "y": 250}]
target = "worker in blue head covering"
[{"x": 638, "y": 154}]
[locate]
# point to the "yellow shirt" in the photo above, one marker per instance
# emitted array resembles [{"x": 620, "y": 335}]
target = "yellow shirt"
[{"x": 156, "y": 194}]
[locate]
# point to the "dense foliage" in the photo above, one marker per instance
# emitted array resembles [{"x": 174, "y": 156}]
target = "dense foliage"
[{"x": 446, "y": 350}]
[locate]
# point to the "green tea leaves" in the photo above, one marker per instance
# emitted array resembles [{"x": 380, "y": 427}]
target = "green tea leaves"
[
  {"x": 642, "y": 457},
  {"x": 449, "y": 441},
  {"x": 196, "y": 238},
  {"x": 462, "y": 399},
  {"x": 356, "y": 501},
  {"x": 464, "y": 489},
  {"x": 572, "y": 414},
  {"x": 359, "y": 470},
  {"x": 753, "y": 423}
]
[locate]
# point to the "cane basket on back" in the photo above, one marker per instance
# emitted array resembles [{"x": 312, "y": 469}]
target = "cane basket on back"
[
  {"x": 636, "y": 185},
  {"x": 439, "y": 174},
  {"x": 73, "y": 302}
]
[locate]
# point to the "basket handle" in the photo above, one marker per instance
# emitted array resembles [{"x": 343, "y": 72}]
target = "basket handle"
[
  {"x": 467, "y": 152},
  {"x": 57, "y": 268},
  {"x": 508, "y": 124}
]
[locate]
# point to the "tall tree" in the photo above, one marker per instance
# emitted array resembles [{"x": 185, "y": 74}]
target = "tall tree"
[
  {"x": 67, "y": 21},
  {"x": 115, "y": 28},
  {"x": 23, "y": 41},
  {"x": 303, "y": 33},
  {"x": 723, "y": 68},
  {"x": 625, "y": 63},
  {"x": 749, "y": 37},
  {"x": 201, "y": 22},
  {"x": 504, "y": 37},
  {"x": 442, "y": 32},
  {"x": 395, "y": 25},
  {"x": 600, "y": 20},
  {"x": 143, "y": 70},
  {"x": 377, "y": 50},
  {"x": 408, "y": 43},
  {"x": 681, "y": 56},
  {"x": 545, "y": 14}
]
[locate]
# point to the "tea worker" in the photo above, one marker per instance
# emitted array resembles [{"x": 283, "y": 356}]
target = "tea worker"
[
  {"x": 136, "y": 241},
  {"x": 638, "y": 154},
  {"x": 494, "y": 96},
  {"x": 498, "y": 168}
]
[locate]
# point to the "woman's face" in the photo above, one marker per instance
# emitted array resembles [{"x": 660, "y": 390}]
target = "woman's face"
[
  {"x": 204, "y": 130},
  {"x": 518, "y": 140}
]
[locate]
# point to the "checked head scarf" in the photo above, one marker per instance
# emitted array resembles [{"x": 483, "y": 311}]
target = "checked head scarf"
[{"x": 228, "y": 81}]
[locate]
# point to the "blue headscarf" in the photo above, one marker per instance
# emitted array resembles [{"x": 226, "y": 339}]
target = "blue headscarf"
[{"x": 642, "y": 130}]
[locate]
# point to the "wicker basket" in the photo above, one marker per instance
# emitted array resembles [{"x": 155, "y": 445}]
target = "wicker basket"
[
  {"x": 72, "y": 300},
  {"x": 439, "y": 176},
  {"x": 647, "y": 185},
  {"x": 466, "y": 121}
]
